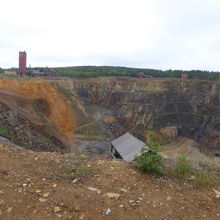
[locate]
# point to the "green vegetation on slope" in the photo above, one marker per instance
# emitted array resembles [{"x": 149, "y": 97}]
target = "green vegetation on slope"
[{"x": 3, "y": 130}]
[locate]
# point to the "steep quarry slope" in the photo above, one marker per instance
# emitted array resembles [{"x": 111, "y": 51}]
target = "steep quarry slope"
[
  {"x": 43, "y": 118},
  {"x": 60, "y": 112},
  {"x": 24, "y": 121},
  {"x": 190, "y": 105}
]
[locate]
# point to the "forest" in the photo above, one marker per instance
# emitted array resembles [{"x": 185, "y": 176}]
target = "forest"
[{"x": 105, "y": 71}]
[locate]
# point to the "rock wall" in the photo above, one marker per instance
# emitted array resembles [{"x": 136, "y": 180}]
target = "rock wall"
[{"x": 190, "y": 105}]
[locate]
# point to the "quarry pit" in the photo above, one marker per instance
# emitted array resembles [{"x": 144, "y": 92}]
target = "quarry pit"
[{"x": 86, "y": 114}]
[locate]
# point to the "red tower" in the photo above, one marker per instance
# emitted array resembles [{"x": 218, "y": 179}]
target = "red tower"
[{"x": 22, "y": 63}]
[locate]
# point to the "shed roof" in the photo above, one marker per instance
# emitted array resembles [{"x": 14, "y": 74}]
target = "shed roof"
[{"x": 128, "y": 146}]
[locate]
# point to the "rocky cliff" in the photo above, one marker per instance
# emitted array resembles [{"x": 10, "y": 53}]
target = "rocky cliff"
[{"x": 190, "y": 105}]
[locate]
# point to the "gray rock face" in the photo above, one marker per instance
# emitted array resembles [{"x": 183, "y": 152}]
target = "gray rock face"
[{"x": 190, "y": 105}]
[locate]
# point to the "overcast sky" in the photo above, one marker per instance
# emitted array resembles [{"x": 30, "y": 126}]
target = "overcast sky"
[{"x": 161, "y": 34}]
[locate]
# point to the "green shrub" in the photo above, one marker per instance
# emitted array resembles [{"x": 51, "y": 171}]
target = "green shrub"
[
  {"x": 150, "y": 161},
  {"x": 84, "y": 170},
  {"x": 152, "y": 141},
  {"x": 183, "y": 168},
  {"x": 67, "y": 173}
]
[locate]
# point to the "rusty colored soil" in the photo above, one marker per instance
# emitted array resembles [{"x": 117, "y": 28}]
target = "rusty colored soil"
[{"x": 61, "y": 113}]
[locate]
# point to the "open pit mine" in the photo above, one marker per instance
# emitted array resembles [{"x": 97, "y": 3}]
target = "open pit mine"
[
  {"x": 59, "y": 137},
  {"x": 68, "y": 115}
]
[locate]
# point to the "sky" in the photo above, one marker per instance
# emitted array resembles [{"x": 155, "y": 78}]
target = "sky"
[{"x": 158, "y": 34}]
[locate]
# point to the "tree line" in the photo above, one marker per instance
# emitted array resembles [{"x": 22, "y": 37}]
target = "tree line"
[
  {"x": 115, "y": 71},
  {"x": 105, "y": 71}
]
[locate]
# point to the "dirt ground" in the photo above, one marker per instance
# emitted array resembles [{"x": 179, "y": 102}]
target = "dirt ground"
[{"x": 42, "y": 186}]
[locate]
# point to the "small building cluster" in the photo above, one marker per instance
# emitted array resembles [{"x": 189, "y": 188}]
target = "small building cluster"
[
  {"x": 38, "y": 73},
  {"x": 184, "y": 76},
  {"x": 142, "y": 75}
]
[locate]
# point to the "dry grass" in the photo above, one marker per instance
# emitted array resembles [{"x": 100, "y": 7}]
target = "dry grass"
[{"x": 205, "y": 179}]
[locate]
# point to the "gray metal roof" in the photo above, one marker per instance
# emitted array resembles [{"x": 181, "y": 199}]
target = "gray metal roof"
[{"x": 128, "y": 146}]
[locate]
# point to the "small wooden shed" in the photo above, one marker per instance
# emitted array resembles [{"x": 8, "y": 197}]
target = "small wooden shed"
[{"x": 126, "y": 147}]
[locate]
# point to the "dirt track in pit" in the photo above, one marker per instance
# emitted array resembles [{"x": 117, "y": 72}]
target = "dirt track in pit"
[
  {"x": 31, "y": 187},
  {"x": 61, "y": 113}
]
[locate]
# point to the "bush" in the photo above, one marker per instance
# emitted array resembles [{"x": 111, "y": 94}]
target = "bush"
[
  {"x": 183, "y": 168},
  {"x": 150, "y": 161},
  {"x": 152, "y": 141}
]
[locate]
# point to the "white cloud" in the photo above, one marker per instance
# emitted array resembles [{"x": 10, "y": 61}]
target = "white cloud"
[{"x": 143, "y": 33}]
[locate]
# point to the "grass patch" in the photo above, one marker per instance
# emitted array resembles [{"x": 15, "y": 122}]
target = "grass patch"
[
  {"x": 3, "y": 130},
  {"x": 204, "y": 179},
  {"x": 74, "y": 171},
  {"x": 84, "y": 170},
  {"x": 93, "y": 138},
  {"x": 67, "y": 173},
  {"x": 10, "y": 76},
  {"x": 66, "y": 92},
  {"x": 189, "y": 175},
  {"x": 46, "y": 141},
  {"x": 76, "y": 167},
  {"x": 1, "y": 116}
]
